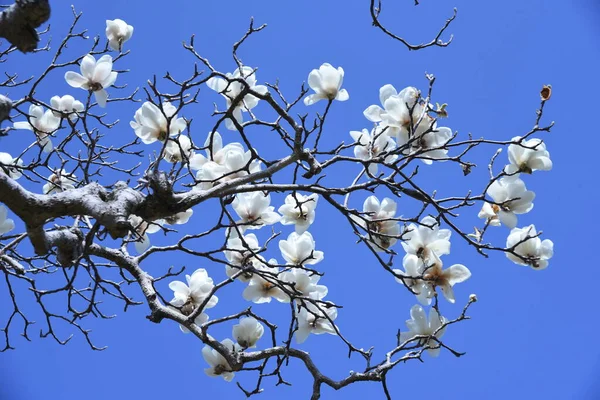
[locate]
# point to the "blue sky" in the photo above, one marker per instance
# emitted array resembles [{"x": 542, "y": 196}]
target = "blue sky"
[{"x": 529, "y": 334}]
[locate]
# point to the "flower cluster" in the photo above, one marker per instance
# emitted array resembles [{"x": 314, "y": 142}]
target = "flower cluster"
[
  {"x": 510, "y": 197},
  {"x": 232, "y": 87},
  {"x": 378, "y": 219},
  {"x": 404, "y": 127},
  {"x": 404, "y": 117},
  {"x": 222, "y": 163},
  {"x": 196, "y": 292}
]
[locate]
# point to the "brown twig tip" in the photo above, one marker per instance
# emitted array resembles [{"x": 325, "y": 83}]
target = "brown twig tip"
[{"x": 546, "y": 92}]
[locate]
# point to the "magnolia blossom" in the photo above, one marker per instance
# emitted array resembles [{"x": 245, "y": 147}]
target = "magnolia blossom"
[
  {"x": 262, "y": 286},
  {"x": 222, "y": 163},
  {"x": 327, "y": 84},
  {"x": 247, "y": 332},
  {"x": 511, "y": 198},
  {"x": 178, "y": 150},
  {"x": 528, "y": 156},
  {"x": 412, "y": 278},
  {"x": 406, "y": 119},
  {"x": 95, "y": 77},
  {"x": 489, "y": 213},
  {"x": 419, "y": 326},
  {"x": 117, "y": 33},
  {"x": 42, "y": 123},
  {"x": 428, "y": 140},
  {"x": 305, "y": 283},
  {"x": 6, "y": 160},
  {"x": 142, "y": 229},
  {"x": 530, "y": 250},
  {"x": 300, "y": 249},
  {"x": 299, "y": 210},
  {"x": 66, "y": 106},
  {"x": 218, "y": 364},
  {"x": 254, "y": 210},
  {"x": 6, "y": 224},
  {"x": 60, "y": 181},
  {"x": 316, "y": 320},
  {"x": 426, "y": 241},
  {"x": 193, "y": 294},
  {"x": 396, "y": 113},
  {"x": 241, "y": 252},
  {"x": 180, "y": 218},
  {"x": 432, "y": 276},
  {"x": 372, "y": 145},
  {"x": 377, "y": 220},
  {"x": 151, "y": 122},
  {"x": 231, "y": 90}
]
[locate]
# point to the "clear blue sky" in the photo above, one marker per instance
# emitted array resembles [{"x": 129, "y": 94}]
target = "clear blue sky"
[{"x": 532, "y": 334}]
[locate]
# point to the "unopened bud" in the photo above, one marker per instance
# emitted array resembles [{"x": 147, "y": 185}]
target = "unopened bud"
[
  {"x": 473, "y": 298},
  {"x": 546, "y": 92}
]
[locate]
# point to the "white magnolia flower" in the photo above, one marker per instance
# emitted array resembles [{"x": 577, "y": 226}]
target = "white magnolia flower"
[
  {"x": 511, "y": 198},
  {"x": 241, "y": 252},
  {"x": 445, "y": 279},
  {"x": 412, "y": 278},
  {"x": 66, "y": 106},
  {"x": 426, "y": 241},
  {"x": 299, "y": 210},
  {"x": 178, "y": 150},
  {"x": 416, "y": 130},
  {"x": 180, "y": 218},
  {"x": 151, "y": 123},
  {"x": 247, "y": 332},
  {"x": 193, "y": 294},
  {"x": 60, "y": 181},
  {"x": 372, "y": 145},
  {"x": 6, "y": 161},
  {"x": 377, "y": 220},
  {"x": 42, "y": 124},
  {"x": 432, "y": 276},
  {"x": 232, "y": 90},
  {"x": 142, "y": 229},
  {"x": 533, "y": 251},
  {"x": 218, "y": 364},
  {"x": 222, "y": 163},
  {"x": 489, "y": 213},
  {"x": 117, "y": 33},
  {"x": 395, "y": 114},
  {"x": 95, "y": 77},
  {"x": 6, "y": 224},
  {"x": 531, "y": 155},
  {"x": 305, "y": 283},
  {"x": 262, "y": 286},
  {"x": 300, "y": 249},
  {"x": 327, "y": 84},
  {"x": 419, "y": 326},
  {"x": 316, "y": 320},
  {"x": 254, "y": 210},
  {"x": 428, "y": 140}
]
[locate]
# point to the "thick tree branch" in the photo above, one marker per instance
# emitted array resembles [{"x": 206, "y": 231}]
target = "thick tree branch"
[{"x": 19, "y": 21}]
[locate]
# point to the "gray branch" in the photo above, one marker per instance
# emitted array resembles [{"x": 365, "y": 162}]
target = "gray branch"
[{"x": 19, "y": 21}]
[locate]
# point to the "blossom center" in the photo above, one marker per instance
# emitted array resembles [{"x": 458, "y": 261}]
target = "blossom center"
[{"x": 95, "y": 86}]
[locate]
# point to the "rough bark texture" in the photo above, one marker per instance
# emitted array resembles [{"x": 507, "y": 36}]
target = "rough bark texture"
[
  {"x": 5, "y": 107},
  {"x": 19, "y": 21}
]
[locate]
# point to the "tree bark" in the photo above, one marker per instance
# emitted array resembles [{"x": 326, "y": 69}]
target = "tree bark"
[{"x": 18, "y": 23}]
